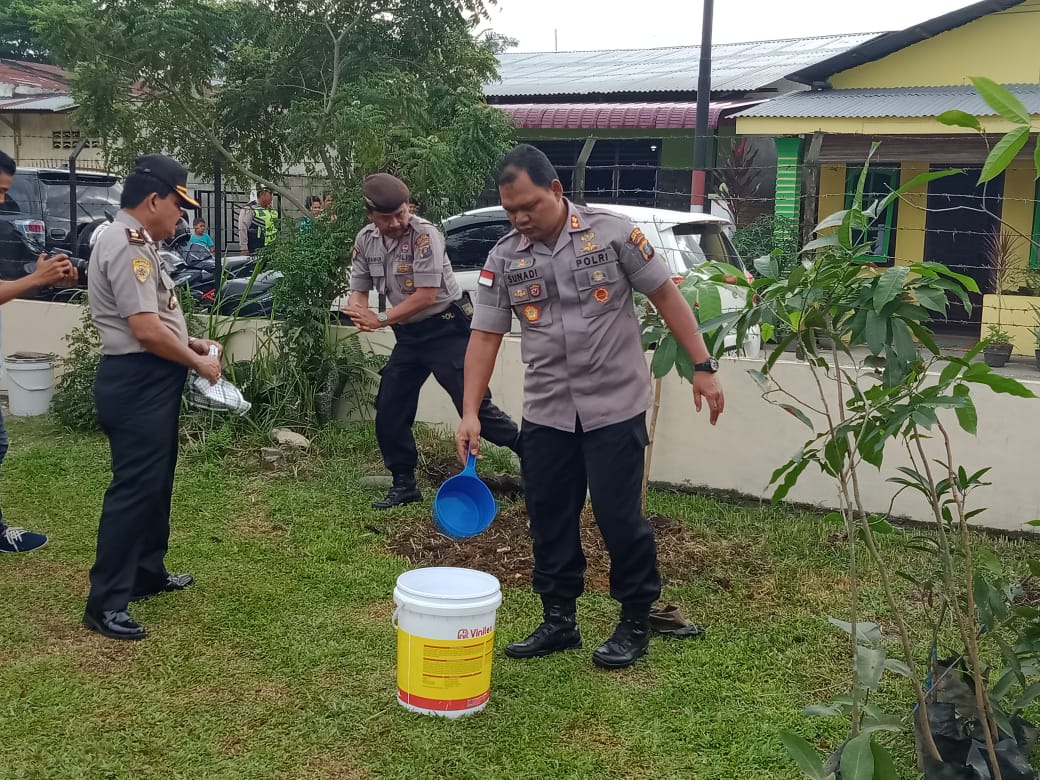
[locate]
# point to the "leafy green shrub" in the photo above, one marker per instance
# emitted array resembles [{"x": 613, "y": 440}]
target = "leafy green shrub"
[
  {"x": 772, "y": 235},
  {"x": 73, "y": 403}
]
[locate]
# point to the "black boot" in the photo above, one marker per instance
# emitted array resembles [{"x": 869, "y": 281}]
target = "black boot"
[
  {"x": 404, "y": 491},
  {"x": 558, "y": 631},
  {"x": 629, "y": 643}
]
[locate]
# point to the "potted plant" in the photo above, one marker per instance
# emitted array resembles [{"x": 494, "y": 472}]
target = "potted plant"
[{"x": 998, "y": 347}]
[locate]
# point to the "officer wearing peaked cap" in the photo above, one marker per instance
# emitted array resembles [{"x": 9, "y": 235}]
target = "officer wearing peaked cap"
[
  {"x": 145, "y": 356},
  {"x": 401, "y": 256},
  {"x": 568, "y": 273}
]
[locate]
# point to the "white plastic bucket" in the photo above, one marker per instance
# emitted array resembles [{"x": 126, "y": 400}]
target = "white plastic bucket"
[
  {"x": 30, "y": 383},
  {"x": 445, "y": 622}
]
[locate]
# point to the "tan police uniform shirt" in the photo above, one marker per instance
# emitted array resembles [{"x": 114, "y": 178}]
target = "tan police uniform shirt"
[
  {"x": 397, "y": 268},
  {"x": 126, "y": 277},
  {"x": 580, "y": 337}
]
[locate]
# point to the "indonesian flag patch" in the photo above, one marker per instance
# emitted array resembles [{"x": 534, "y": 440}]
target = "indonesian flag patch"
[{"x": 486, "y": 278}]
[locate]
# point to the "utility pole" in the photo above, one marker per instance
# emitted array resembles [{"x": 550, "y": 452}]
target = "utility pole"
[{"x": 699, "y": 179}]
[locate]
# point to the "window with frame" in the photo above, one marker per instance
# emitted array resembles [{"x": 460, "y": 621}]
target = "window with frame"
[{"x": 881, "y": 180}]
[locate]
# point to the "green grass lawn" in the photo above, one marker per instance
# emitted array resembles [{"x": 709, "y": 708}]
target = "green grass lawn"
[{"x": 279, "y": 662}]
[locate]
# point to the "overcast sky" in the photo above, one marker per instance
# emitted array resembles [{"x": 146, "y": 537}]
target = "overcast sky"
[{"x": 625, "y": 24}]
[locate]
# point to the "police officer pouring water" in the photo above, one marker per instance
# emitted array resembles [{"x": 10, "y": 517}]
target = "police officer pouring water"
[
  {"x": 402, "y": 256},
  {"x": 568, "y": 272},
  {"x": 145, "y": 356}
]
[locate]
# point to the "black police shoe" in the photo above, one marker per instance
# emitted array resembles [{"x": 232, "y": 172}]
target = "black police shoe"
[
  {"x": 171, "y": 583},
  {"x": 404, "y": 491},
  {"x": 628, "y": 644},
  {"x": 115, "y": 624},
  {"x": 558, "y": 631}
]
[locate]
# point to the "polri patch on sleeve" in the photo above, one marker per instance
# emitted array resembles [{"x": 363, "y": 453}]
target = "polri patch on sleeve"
[
  {"x": 135, "y": 237},
  {"x": 422, "y": 243},
  {"x": 142, "y": 269},
  {"x": 486, "y": 278}
]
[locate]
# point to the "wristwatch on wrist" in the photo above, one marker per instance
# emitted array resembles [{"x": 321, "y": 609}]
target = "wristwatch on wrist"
[
  {"x": 711, "y": 365},
  {"x": 381, "y": 316}
]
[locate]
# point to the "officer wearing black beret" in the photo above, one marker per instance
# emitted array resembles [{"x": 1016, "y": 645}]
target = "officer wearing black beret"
[
  {"x": 401, "y": 256},
  {"x": 145, "y": 356}
]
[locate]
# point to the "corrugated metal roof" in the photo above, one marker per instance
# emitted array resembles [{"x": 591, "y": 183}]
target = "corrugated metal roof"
[
  {"x": 615, "y": 116},
  {"x": 45, "y": 103},
  {"x": 891, "y": 102},
  {"x": 32, "y": 78},
  {"x": 736, "y": 67}
]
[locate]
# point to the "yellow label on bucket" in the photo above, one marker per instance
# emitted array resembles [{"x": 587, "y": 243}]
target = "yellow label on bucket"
[{"x": 444, "y": 673}]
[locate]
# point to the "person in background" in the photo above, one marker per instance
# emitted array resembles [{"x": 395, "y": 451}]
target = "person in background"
[
  {"x": 327, "y": 202},
  {"x": 257, "y": 222},
  {"x": 314, "y": 206},
  {"x": 55, "y": 271},
  {"x": 200, "y": 236}
]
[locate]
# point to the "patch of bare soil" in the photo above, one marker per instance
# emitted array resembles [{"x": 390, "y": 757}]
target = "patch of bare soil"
[
  {"x": 504, "y": 550},
  {"x": 437, "y": 469}
]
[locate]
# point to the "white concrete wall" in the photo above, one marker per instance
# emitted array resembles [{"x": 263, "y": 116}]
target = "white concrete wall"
[
  {"x": 28, "y": 137},
  {"x": 751, "y": 440}
]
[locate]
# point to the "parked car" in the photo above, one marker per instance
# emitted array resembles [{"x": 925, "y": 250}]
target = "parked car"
[
  {"x": 685, "y": 239},
  {"x": 21, "y": 241},
  {"x": 42, "y": 194}
]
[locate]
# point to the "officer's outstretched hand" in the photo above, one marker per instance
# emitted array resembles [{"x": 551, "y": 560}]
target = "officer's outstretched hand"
[
  {"x": 467, "y": 440},
  {"x": 705, "y": 386}
]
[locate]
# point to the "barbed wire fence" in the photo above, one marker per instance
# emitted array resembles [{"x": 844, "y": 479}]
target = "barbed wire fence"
[{"x": 949, "y": 224}]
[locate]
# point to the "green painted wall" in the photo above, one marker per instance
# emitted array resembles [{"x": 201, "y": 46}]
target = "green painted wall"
[{"x": 788, "y": 177}]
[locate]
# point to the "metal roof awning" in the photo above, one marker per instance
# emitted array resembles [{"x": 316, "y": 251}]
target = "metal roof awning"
[
  {"x": 616, "y": 116},
  {"x": 889, "y": 102},
  {"x": 43, "y": 103}
]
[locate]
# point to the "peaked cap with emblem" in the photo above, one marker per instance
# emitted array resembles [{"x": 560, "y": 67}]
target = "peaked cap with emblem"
[
  {"x": 384, "y": 193},
  {"x": 166, "y": 170}
]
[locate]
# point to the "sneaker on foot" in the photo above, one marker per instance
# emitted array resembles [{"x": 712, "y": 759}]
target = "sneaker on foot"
[{"x": 17, "y": 540}]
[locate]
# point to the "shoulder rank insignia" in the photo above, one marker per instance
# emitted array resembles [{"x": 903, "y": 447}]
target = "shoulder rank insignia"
[
  {"x": 355, "y": 253},
  {"x": 575, "y": 222},
  {"x": 142, "y": 269},
  {"x": 135, "y": 237}
]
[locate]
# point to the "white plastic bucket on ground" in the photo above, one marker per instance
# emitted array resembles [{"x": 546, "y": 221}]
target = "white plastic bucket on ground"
[
  {"x": 30, "y": 383},
  {"x": 445, "y": 622}
]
